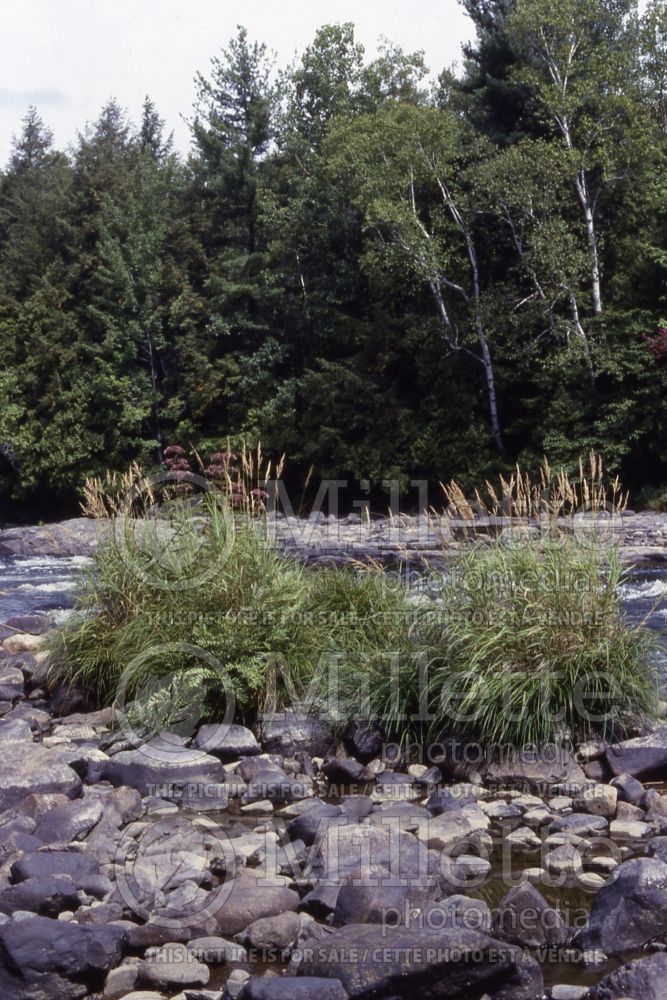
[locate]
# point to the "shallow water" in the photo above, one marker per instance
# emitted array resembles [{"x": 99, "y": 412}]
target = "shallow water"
[{"x": 40, "y": 583}]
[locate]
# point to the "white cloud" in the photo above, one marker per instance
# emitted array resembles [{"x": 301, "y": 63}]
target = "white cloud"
[{"x": 69, "y": 56}]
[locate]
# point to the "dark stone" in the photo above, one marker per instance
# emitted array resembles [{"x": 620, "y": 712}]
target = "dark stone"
[
  {"x": 68, "y": 698},
  {"x": 596, "y": 770},
  {"x": 441, "y": 801},
  {"x": 389, "y": 905},
  {"x": 645, "y": 978},
  {"x": 343, "y": 771},
  {"x": 46, "y": 954},
  {"x": 642, "y": 757},
  {"x": 268, "y": 781},
  {"x": 524, "y": 917},
  {"x": 372, "y": 962},
  {"x": 535, "y": 771},
  {"x": 30, "y": 624},
  {"x": 69, "y": 822},
  {"x": 149, "y": 768},
  {"x": 629, "y": 910},
  {"x": 287, "y": 732},
  {"x": 40, "y": 864},
  {"x": 246, "y": 901},
  {"x": 628, "y": 788},
  {"x": 320, "y": 902},
  {"x": 313, "y": 821},
  {"x": 48, "y": 896},
  {"x": 363, "y": 741},
  {"x": 291, "y": 988}
]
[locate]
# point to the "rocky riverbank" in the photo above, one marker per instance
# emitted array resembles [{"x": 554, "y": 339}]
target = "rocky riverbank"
[
  {"x": 330, "y": 540},
  {"x": 286, "y": 863}
]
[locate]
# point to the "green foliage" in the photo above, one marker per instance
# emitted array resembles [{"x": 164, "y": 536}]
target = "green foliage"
[
  {"x": 525, "y": 638},
  {"x": 378, "y": 279},
  {"x": 526, "y": 642}
]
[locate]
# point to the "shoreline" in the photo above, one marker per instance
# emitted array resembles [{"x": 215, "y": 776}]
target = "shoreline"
[{"x": 328, "y": 540}]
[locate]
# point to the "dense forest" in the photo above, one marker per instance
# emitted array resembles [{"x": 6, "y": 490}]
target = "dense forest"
[{"x": 379, "y": 271}]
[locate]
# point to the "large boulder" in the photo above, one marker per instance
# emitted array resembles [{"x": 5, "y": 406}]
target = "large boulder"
[
  {"x": 246, "y": 900},
  {"x": 534, "y": 770},
  {"x": 33, "y": 769},
  {"x": 228, "y": 742},
  {"x": 55, "y": 958},
  {"x": 153, "y": 770},
  {"x": 645, "y": 978},
  {"x": 452, "y": 964},
  {"x": 78, "y": 536},
  {"x": 351, "y": 853},
  {"x": 45, "y": 863},
  {"x": 68, "y": 822},
  {"x": 642, "y": 757},
  {"x": 629, "y": 910},
  {"x": 47, "y": 896},
  {"x": 288, "y": 732}
]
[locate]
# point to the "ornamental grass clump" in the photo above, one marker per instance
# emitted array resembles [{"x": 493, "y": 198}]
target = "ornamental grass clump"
[{"x": 536, "y": 645}]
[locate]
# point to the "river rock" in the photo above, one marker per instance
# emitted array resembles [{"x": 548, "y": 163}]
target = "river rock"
[
  {"x": 69, "y": 822},
  {"x": 15, "y": 731},
  {"x": 628, "y": 788},
  {"x": 40, "y": 771},
  {"x": 629, "y": 910},
  {"x": 642, "y": 757},
  {"x": 173, "y": 965},
  {"x": 374, "y": 962},
  {"x": 217, "y": 950},
  {"x": 599, "y": 800},
  {"x": 151, "y": 770},
  {"x": 287, "y": 732},
  {"x": 247, "y": 900},
  {"x": 455, "y": 827},
  {"x": 314, "y": 821},
  {"x": 629, "y": 829},
  {"x": 54, "y": 955},
  {"x": 292, "y": 988},
  {"x": 343, "y": 771},
  {"x": 41, "y": 864},
  {"x": 388, "y": 905},
  {"x": 524, "y": 917},
  {"x": 535, "y": 771},
  {"x": 228, "y": 742},
  {"x": 583, "y": 824},
  {"x": 77, "y": 536},
  {"x": 363, "y": 741},
  {"x": 360, "y": 853},
  {"x": 48, "y": 896},
  {"x": 280, "y": 932},
  {"x": 644, "y": 978}
]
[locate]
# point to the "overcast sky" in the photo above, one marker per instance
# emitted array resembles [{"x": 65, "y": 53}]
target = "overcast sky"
[{"x": 69, "y": 56}]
